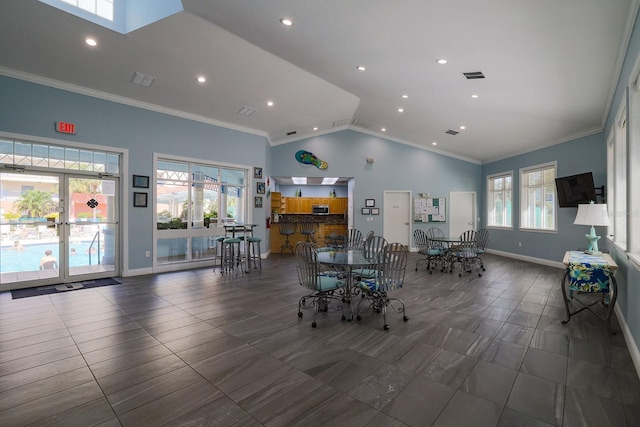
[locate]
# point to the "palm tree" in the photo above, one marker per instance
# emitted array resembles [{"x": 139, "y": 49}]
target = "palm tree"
[{"x": 35, "y": 203}]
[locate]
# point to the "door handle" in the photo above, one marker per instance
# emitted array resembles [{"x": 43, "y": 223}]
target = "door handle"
[{"x": 406, "y": 223}]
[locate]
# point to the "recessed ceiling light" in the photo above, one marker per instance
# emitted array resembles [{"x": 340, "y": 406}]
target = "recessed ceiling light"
[
  {"x": 361, "y": 68},
  {"x": 269, "y": 103},
  {"x": 383, "y": 129},
  {"x": 91, "y": 42},
  {"x": 463, "y": 127},
  {"x": 441, "y": 61},
  {"x": 405, "y": 96},
  {"x": 315, "y": 128},
  {"x": 201, "y": 79},
  {"x": 434, "y": 143},
  {"x": 299, "y": 180},
  {"x": 329, "y": 181},
  {"x": 400, "y": 110},
  {"x": 286, "y": 21},
  {"x": 474, "y": 96}
]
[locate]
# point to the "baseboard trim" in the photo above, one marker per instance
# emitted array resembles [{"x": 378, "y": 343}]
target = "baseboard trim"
[{"x": 541, "y": 261}]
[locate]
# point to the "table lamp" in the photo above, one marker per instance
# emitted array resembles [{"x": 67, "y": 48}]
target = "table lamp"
[{"x": 592, "y": 215}]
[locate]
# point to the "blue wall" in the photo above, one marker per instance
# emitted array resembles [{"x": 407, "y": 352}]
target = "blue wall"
[
  {"x": 396, "y": 167},
  {"x": 582, "y": 155},
  {"x": 32, "y": 109}
]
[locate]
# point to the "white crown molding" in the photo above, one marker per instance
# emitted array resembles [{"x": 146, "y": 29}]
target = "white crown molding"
[{"x": 32, "y": 78}]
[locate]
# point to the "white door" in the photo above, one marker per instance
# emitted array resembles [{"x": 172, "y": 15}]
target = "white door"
[
  {"x": 397, "y": 217},
  {"x": 462, "y": 212}
]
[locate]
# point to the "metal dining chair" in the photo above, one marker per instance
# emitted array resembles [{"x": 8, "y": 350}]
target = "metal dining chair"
[
  {"x": 322, "y": 287},
  {"x": 391, "y": 267},
  {"x": 465, "y": 253},
  {"x": 353, "y": 239},
  {"x": 287, "y": 229},
  {"x": 433, "y": 250},
  {"x": 371, "y": 250},
  {"x": 482, "y": 238}
]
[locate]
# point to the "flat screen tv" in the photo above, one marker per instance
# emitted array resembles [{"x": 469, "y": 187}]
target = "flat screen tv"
[{"x": 575, "y": 190}]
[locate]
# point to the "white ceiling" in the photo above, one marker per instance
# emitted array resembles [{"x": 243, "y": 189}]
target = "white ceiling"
[{"x": 550, "y": 66}]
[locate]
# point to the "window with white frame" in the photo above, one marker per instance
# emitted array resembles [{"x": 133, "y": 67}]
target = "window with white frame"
[
  {"x": 500, "y": 200},
  {"x": 618, "y": 212},
  {"x": 538, "y": 197},
  {"x": 633, "y": 172}
]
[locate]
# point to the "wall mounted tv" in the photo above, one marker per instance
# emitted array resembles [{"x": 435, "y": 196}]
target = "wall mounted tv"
[{"x": 575, "y": 190}]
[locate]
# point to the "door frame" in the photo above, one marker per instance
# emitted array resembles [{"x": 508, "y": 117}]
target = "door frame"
[{"x": 124, "y": 182}]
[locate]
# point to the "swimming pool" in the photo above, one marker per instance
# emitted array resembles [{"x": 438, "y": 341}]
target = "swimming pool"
[{"x": 29, "y": 258}]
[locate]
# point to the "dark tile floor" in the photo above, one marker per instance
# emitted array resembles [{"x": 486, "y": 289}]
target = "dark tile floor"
[{"x": 194, "y": 348}]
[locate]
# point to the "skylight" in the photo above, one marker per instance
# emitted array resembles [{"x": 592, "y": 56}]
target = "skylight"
[{"x": 101, "y": 8}]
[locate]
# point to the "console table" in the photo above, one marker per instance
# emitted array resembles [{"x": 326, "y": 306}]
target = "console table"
[{"x": 589, "y": 274}]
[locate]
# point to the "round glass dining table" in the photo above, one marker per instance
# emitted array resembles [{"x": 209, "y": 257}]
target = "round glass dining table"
[{"x": 346, "y": 260}]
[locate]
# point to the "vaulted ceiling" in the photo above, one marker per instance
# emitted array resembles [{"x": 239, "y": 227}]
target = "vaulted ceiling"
[{"x": 549, "y": 67}]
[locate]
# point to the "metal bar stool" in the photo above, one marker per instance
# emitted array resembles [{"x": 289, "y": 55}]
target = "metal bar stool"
[
  {"x": 308, "y": 229},
  {"x": 287, "y": 229},
  {"x": 253, "y": 253},
  {"x": 219, "y": 251},
  {"x": 231, "y": 256}
]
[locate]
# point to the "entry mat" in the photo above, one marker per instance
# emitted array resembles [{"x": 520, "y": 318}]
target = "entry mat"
[{"x": 64, "y": 287}]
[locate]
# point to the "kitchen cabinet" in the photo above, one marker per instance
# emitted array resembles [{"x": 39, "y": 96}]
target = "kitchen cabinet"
[
  {"x": 338, "y": 205},
  {"x": 293, "y": 205},
  {"x": 305, "y": 205}
]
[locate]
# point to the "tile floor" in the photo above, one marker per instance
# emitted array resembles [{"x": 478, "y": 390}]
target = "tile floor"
[{"x": 194, "y": 348}]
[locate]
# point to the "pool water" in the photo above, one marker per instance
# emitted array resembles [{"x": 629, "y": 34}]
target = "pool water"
[{"x": 29, "y": 258}]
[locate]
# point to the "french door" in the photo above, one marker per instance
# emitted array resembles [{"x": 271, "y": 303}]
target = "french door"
[{"x": 57, "y": 228}]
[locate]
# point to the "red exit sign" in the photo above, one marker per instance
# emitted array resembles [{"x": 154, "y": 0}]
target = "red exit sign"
[{"x": 64, "y": 127}]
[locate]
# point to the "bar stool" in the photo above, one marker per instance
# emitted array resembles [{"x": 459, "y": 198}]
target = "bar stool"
[
  {"x": 253, "y": 253},
  {"x": 287, "y": 229},
  {"x": 219, "y": 250},
  {"x": 308, "y": 229},
  {"x": 231, "y": 257}
]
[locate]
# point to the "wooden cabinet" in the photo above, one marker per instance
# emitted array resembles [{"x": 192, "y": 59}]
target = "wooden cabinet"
[
  {"x": 276, "y": 201},
  {"x": 338, "y": 205},
  {"x": 305, "y": 205},
  {"x": 293, "y": 205}
]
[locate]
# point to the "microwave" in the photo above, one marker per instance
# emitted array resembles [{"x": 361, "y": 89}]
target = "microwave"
[{"x": 320, "y": 210}]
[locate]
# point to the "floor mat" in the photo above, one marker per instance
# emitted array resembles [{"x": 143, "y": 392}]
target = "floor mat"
[{"x": 63, "y": 287}]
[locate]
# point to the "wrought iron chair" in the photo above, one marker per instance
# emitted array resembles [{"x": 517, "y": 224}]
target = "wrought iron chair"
[
  {"x": 321, "y": 286},
  {"x": 391, "y": 267},
  {"x": 482, "y": 238},
  {"x": 353, "y": 239},
  {"x": 465, "y": 253},
  {"x": 371, "y": 250},
  {"x": 433, "y": 250}
]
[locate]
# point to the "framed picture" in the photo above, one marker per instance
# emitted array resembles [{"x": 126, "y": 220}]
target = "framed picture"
[
  {"x": 257, "y": 173},
  {"x": 140, "y": 181},
  {"x": 370, "y": 203},
  {"x": 375, "y": 211},
  {"x": 260, "y": 188},
  {"x": 257, "y": 202},
  {"x": 366, "y": 211},
  {"x": 139, "y": 200}
]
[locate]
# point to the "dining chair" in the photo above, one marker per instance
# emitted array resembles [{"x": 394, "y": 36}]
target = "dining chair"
[
  {"x": 287, "y": 229},
  {"x": 353, "y": 239},
  {"x": 465, "y": 253},
  {"x": 322, "y": 287},
  {"x": 371, "y": 249},
  {"x": 431, "y": 249},
  {"x": 308, "y": 229},
  {"x": 391, "y": 267},
  {"x": 482, "y": 238}
]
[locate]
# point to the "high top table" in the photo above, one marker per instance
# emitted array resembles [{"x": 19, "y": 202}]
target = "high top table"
[{"x": 243, "y": 231}]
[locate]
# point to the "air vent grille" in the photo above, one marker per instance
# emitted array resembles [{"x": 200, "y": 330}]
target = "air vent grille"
[
  {"x": 293, "y": 132},
  {"x": 360, "y": 123},
  {"x": 339, "y": 123},
  {"x": 142, "y": 79},
  {"x": 474, "y": 75},
  {"x": 452, "y": 132},
  {"x": 246, "y": 111}
]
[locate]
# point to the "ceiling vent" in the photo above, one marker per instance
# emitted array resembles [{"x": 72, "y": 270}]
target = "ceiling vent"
[
  {"x": 246, "y": 111},
  {"x": 474, "y": 75},
  {"x": 452, "y": 132},
  {"x": 142, "y": 79},
  {"x": 360, "y": 123},
  {"x": 293, "y": 132},
  {"x": 339, "y": 123}
]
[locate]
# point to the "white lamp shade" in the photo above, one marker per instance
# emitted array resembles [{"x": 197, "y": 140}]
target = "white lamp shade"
[{"x": 592, "y": 214}]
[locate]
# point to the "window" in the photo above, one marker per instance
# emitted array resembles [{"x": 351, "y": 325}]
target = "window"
[
  {"x": 190, "y": 199},
  {"x": 20, "y": 153},
  {"x": 101, "y": 8},
  {"x": 617, "y": 203},
  {"x": 538, "y": 197},
  {"x": 500, "y": 200},
  {"x": 633, "y": 173}
]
